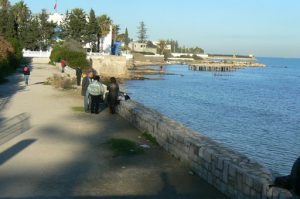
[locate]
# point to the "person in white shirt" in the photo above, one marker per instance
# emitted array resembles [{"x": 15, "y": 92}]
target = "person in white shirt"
[{"x": 96, "y": 91}]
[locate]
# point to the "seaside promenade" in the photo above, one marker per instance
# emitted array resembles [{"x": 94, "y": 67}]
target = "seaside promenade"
[{"x": 47, "y": 150}]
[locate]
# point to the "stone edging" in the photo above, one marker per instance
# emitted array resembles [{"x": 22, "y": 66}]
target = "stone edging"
[{"x": 232, "y": 173}]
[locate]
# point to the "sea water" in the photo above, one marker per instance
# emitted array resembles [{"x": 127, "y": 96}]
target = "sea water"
[{"x": 255, "y": 111}]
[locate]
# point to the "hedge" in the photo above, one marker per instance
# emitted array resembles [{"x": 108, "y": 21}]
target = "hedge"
[{"x": 73, "y": 58}]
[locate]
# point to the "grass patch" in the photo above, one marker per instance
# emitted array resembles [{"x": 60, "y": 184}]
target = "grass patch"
[
  {"x": 150, "y": 138},
  {"x": 124, "y": 147},
  {"x": 78, "y": 109}
]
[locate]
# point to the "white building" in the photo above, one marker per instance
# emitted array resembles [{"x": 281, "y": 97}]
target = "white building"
[
  {"x": 105, "y": 42},
  {"x": 141, "y": 47},
  {"x": 56, "y": 18}
]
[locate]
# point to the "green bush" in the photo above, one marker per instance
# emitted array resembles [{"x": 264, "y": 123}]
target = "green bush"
[
  {"x": 74, "y": 58},
  {"x": 56, "y": 53}
]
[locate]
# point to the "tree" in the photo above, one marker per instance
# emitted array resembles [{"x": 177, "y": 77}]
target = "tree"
[
  {"x": 92, "y": 30},
  {"x": 46, "y": 30},
  {"x": 105, "y": 25},
  {"x": 74, "y": 25},
  {"x": 4, "y": 16},
  {"x": 22, "y": 16},
  {"x": 115, "y": 32},
  {"x": 126, "y": 37},
  {"x": 31, "y": 34},
  {"x": 11, "y": 30},
  {"x": 142, "y": 33},
  {"x": 161, "y": 47}
]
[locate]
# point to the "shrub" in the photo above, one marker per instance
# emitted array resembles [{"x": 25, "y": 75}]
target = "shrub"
[
  {"x": 56, "y": 53},
  {"x": 10, "y": 56},
  {"x": 63, "y": 82},
  {"x": 73, "y": 57}
]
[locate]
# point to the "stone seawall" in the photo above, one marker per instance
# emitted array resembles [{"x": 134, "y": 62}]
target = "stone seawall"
[
  {"x": 110, "y": 65},
  {"x": 232, "y": 173}
]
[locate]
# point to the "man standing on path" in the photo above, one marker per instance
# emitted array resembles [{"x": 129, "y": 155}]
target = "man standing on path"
[
  {"x": 86, "y": 81},
  {"x": 26, "y": 72},
  {"x": 78, "y": 75}
]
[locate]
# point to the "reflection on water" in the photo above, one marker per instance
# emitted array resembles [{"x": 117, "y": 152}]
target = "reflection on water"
[{"x": 255, "y": 111}]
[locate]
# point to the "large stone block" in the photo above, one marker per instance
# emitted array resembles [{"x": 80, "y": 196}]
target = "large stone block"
[{"x": 110, "y": 66}]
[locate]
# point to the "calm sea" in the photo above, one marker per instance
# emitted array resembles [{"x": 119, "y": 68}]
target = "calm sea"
[{"x": 255, "y": 111}]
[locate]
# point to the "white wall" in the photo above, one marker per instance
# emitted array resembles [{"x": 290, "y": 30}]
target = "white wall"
[{"x": 204, "y": 56}]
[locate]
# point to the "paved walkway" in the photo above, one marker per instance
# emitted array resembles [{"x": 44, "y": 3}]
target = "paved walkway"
[{"x": 49, "y": 151}]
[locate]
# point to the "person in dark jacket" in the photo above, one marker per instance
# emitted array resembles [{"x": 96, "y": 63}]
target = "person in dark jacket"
[
  {"x": 26, "y": 72},
  {"x": 78, "y": 75},
  {"x": 86, "y": 81},
  {"x": 295, "y": 177},
  {"x": 113, "y": 93}
]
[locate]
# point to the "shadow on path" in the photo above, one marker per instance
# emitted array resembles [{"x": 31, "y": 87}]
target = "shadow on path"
[
  {"x": 14, "y": 150},
  {"x": 13, "y": 127}
]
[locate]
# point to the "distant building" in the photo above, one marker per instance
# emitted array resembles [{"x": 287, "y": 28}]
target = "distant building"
[
  {"x": 105, "y": 43},
  {"x": 56, "y": 18},
  {"x": 141, "y": 47}
]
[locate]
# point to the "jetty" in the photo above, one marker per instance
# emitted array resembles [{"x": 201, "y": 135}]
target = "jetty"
[{"x": 222, "y": 66}]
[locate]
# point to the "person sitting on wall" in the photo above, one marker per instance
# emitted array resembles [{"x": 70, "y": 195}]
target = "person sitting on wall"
[
  {"x": 292, "y": 181},
  {"x": 295, "y": 176}
]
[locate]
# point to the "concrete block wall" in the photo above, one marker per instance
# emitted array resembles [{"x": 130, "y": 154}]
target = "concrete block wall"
[
  {"x": 109, "y": 65},
  {"x": 232, "y": 173},
  {"x": 68, "y": 70}
]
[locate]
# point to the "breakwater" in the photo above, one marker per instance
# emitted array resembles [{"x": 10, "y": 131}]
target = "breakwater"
[{"x": 232, "y": 173}]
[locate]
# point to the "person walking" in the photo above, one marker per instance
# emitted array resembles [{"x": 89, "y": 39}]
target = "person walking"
[
  {"x": 86, "y": 81},
  {"x": 113, "y": 93},
  {"x": 78, "y": 75},
  {"x": 26, "y": 72},
  {"x": 96, "y": 91},
  {"x": 63, "y": 65}
]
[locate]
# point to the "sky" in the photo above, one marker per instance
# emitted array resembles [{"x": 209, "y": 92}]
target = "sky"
[{"x": 266, "y": 28}]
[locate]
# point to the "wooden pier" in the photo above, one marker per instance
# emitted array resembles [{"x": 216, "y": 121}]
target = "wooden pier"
[{"x": 223, "y": 67}]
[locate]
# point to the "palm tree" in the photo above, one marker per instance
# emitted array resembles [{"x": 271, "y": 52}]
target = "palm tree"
[
  {"x": 105, "y": 25},
  {"x": 115, "y": 32},
  {"x": 22, "y": 15}
]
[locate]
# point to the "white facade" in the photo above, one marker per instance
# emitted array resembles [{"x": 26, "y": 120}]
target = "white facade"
[
  {"x": 177, "y": 55},
  {"x": 105, "y": 43},
  {"x": 56, "y": 18}
]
